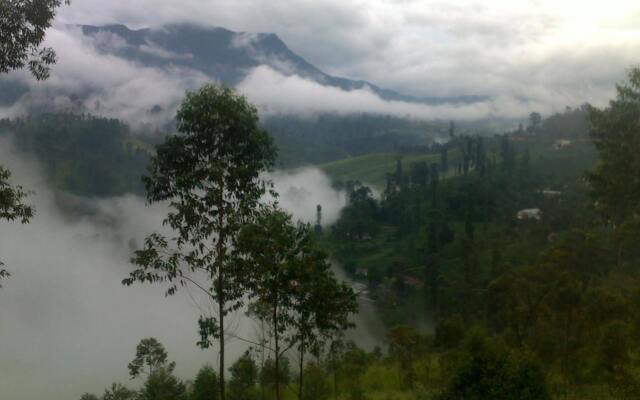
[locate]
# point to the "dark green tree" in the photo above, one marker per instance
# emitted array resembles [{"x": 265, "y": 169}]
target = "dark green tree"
[
  {"x": 615, "y": 131},
  {"x": 244, "y": 376},
  {"x": 535, "y": 119},
  {"x": 150, "y": 357},
  {"x": 488, "y": 370},
  {"x": 209, "y": 175},
  {"x": 444, "y": 159},
  {"x": 271, "y": 376},
  {"x": 118, "y": 391},
  {"x": 318, "y": 226},
  {"x": 23, "y": 25},
  {"x": 162, "y": 385},
  {"x": 268, "y": 247},
  {"x": 403, "y": 342},
  {"x": 205, "y": 386},
  {"x": 316, "y": 385},
  {"x": 321, "y": 306},
  {"x": 292, "y": 286}
]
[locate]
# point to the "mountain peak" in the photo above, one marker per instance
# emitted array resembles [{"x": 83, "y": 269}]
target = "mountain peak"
[{"x": 229, "y": 56}]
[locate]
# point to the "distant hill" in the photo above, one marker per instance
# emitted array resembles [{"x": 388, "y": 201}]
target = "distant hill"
[{"x": 229, "y": 56}]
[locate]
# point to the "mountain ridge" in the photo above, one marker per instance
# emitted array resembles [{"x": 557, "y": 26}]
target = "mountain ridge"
[{"x": 227, "y": 56}]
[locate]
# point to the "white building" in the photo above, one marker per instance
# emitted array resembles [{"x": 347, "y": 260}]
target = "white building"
[{"x": 530, "y": 213}]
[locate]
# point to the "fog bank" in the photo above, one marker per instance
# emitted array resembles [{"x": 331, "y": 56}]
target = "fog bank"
[{"x": 67, "y": 325}]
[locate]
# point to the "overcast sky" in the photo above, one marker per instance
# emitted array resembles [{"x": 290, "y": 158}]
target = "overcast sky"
[{"x": 569, "y": 51}]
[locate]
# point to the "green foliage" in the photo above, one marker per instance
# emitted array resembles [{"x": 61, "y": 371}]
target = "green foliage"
[
  {"x": 372, "y": 168},
  {"x": 118, "y": 391},
  {"x": 150, "y": 355},
  {"x": 616, "y": 134},
  {"x": 244, "y": 377},
  {"x": 11, "y": 206},
  {"x": 489, "y": 370},
  {"x": 162, "y": 385},
  {"x": 210, "y": 176},
  {"x": 82, "y": 154},
  {"x": 336, "y": 136},
  {"x": 272, "y": 378},
  {"x": 205, "y": 386},
  {"x": 404, "y": 346},
  {"x": 316, "y": 383},
  {"x": 11, "y": 197},
  {"x": 292, "y": 287},
  {"x": 571, "y": 124},
  {"x": 23, "y": 25}
]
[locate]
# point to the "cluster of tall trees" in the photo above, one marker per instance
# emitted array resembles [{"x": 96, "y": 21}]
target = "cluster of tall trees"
[
  {"x": 234, "y": 250},
  {"x": 83, "y": 154},
  {"x": 226, "y": 243},
  {"x": 558, "y": 290}
]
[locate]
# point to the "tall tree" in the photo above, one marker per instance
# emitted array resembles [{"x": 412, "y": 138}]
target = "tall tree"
[
  {"x": 23, "y": 25},
  {"x": 244, "y": 376},
  {"x": 209, "y": 175},
  {"x": 292, "y": 286},
  {"x": 321, "y": 306},
  {"x": 535, "y": 119},
  {"x": 268, "y": 247},
  {"x": 205, "y": 386},
  {"x": 616, "y": 133}
]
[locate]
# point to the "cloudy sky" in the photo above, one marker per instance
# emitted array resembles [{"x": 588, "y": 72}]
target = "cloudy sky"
[
  {"x": 560, "y": 51},
  {"x": 529, "y": 55}
]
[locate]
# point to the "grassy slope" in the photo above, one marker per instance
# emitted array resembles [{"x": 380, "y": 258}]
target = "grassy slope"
[{"x": 372, "y": 169}]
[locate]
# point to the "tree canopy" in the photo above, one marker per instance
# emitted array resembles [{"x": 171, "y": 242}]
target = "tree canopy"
[
  {"x": 210, "y": 176},
  {"x": 23, "y": 25},
  {"x": 616, "y": 133}
]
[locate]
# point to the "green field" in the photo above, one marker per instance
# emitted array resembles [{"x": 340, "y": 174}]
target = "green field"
[{"x": 372, "y": 169}]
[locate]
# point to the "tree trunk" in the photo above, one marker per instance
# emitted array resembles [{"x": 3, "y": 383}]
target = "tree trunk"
[
  {"x": 221, "y": 310},
  {"x": 221, "y": 299},
  {"x": 301, "y": 370},
  {"x": 277, "y": 350}
]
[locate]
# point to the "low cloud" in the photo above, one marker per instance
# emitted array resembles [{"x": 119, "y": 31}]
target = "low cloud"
[
  {"x": 88, "y": 80},
  {"x": 67, "y": 325},
  {"x": 301, "y": 191},
  {"x": 427, "y": 47},
  {"x": 276, "y": 93},
  {"x": 90, "y": 77}
]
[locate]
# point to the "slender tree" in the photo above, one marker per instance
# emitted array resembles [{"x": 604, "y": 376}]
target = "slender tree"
[
  {"x": 321, "y": 306},
  {"x": 209, "y": 175},
  {"x": 292, "y": 286},
  {"x": 267, "y": 247},
  {"x": 616, "y": 133}
]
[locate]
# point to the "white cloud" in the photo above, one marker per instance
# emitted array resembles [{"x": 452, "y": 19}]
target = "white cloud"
[
  {"x": 276, "y": 93},
  {"x": 87, "y": 80},
  {"x": 426, "y": 47},
  {"x": 68, "y": 325},
  {"x": 301, "y": 191}
]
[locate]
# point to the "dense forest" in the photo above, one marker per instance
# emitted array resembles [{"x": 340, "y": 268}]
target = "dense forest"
[
  {"x": 503, "y": 265},
  {"x": 497, "y": 260}
]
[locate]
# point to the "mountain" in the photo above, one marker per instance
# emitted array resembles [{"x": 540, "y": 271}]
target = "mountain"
[{"x": 228, "y": 56}]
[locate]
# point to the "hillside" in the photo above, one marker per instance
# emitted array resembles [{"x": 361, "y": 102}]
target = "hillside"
[
  {"x": 371, "y": 169},
  {"x": 228, "y": 56}
]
